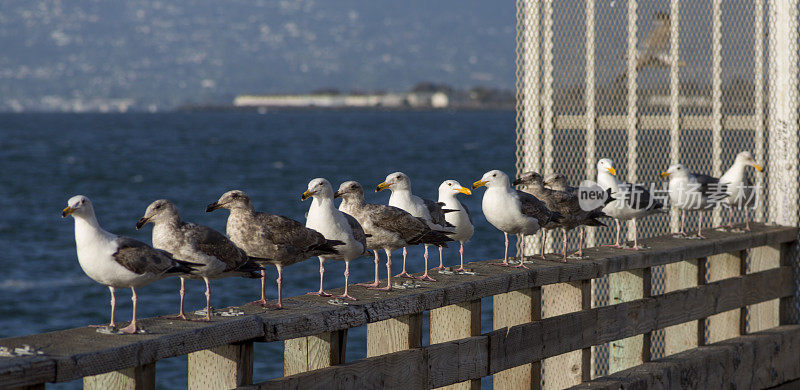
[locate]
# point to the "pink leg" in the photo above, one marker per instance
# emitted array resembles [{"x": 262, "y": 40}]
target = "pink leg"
[
  {"x": 564, "y": 247},
  {"x": 346, "y": 277},
  {"x": 280, "y": 287},
  {"x": 263, "y": 300},
  {"x": 746, "y": 219},
  {"x": 700, "y": 225},
  {"x": 112, "y": 324},
  {"x": 579, "y": 253},
  {"x": 544, "y": 244},
  {"x": 461, "y": 253},
  {"x": 405, "y": 274},
  {"x": 505, "y": 256},
  {"x": 377, "y": 279},
  {"x": 208, "y": 299},
  {"x": 635, "y": 237},
  {"x": 683, "y": 220},
  {"x": 441, "y": 259},
  {"x": 521, "y": 241},
  {"x": 181, "y": 315},
  {"x": 131, "y": 328},
  {"x": 425, "y": 276},
  {"x": 321, "y": 274},
  {"x": 617, "y": 242},
  {"x": 388, "y": 273}
]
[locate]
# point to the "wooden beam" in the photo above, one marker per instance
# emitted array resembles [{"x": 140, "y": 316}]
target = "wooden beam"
[
  {"x": 724, "y": 325},
  {"x": 513, "y": 308},
  {"x": 226, "y": 366},
  {"x": 456, "y": 322},
  {"x": 394, "y": 334},
  {"x": 314, "y": 352},
  {"x": 564, "y": 370},
  {"x": 764, "y": 315},
  {"x": 678, "y": 276},
  {"x": 624, "y": 287},
  {"x": 790, "y": 306},
  {"x": 133, "y": 378}
]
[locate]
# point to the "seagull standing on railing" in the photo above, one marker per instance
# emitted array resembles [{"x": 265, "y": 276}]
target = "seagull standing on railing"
[
  {"x": 219, "y": 256},
  {"x": 558, "y": 182},
  {"x": 738, "y": 188},
  {"x": 460, "y": 218},
  {"x": 387, "y": 227},
  {"x": 693, "y": 191},
  {"x": 116, "y": 261},
  {"x": 334, "y": 225},
  {"x": 431, "y": 212},
  {"x": 626, "y": 200},
  {"x": 512, "y": 211},
  {"x": 270, "y": 239}
]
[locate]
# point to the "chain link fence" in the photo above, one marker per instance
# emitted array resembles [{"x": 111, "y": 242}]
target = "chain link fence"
[{"x": 648, "y": 84}]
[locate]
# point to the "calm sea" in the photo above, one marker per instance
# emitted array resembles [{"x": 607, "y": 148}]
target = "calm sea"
[{"x": 123, "y": 162}]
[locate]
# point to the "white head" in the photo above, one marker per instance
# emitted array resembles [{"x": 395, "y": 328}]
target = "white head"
[
  {"x": 452, "y": 187},
  {"x": 606, "y": 165},
  {"x": 676, "y": 171},
  {"x": 395, "y": 181},
  {"x": 159, "y": 211},
  {"x": 492, "y": 179},
  {"x": 746, "y": 158},
  {"x": 78, "y": 206},
  {"x": 318, "y": 188}
]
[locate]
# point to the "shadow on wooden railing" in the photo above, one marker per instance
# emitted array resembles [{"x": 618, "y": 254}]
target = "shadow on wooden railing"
[{"x": 693, "y": 311}]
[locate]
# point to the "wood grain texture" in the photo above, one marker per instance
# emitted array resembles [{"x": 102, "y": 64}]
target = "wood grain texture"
[
  {"x": 75, "y": 353},
  {"x": 563, "y": 370},
  {"x": 394, "y": 334},
  {"x": 456, "y": 322},
  {"x": 764, "y": 315},
  {"x": 133, "y": 378},
  {"x": 223, "y": 367},
  {"x": 510, "y": 309},
  {"x": 728, "y": 324},
  {"x": 625, "y": 287},
  {"x": 314, "y": 352},
  {"x": 759, "y": 360},
  {"x": 678, "y": 276}
]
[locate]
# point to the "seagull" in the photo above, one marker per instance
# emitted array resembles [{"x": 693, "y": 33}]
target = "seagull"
[
  {"x": 387, "y": 227},
  {"x": 270, "y": 239},
  {"x": 626, "y": 200},
  {"x": 116, "y": 261},
  {"x": 738, "y": 188},
  {"x": 335, "y": 225},
  {"x": 430, "y": 211},
  {"x": 563, "y": 202},
  {"x": 558, "y": 182},
  {"x": 512, "y": 211},
  {"x": 198, "y": 244},
  {"x": 550, "y": 203},
  {"x": 461, "y": 218},
  {"x": 693, "y": 191}
]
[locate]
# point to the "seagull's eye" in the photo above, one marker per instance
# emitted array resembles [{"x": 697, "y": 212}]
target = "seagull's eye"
[
  {"x": 494, "y": 175},
  {"x": 450, "y": 184}
]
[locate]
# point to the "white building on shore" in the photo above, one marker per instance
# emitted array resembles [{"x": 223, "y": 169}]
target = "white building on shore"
[{"x": 385, "y": 100}]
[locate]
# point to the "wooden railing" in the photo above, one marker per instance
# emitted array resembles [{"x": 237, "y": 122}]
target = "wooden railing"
[{"x": 315, "y": 333}]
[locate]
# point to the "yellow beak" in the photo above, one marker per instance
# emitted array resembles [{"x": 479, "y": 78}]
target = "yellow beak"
[
  {"x": 307, "y": 194},
  {"x": 382, "y": 186},
  {"x": 665, "y": 174},
  {"x": 758, "y": 167},
  {"x": 612, "y": 171},
  {"x": 464, "y": 190},
  {"x": 478, "y": 183},
  {"x": 66, "y": 212}
]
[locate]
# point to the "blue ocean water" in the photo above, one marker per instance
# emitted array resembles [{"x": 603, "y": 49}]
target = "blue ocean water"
[{"x": 125, "y": 161}]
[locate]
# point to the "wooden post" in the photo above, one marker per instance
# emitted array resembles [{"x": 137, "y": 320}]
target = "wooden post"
[
  {"x": 725, "y": 325},
  {"x": 564, "y": 370},
  {"x": 514, "y": 308},
  {"x": 680, "y": 275},
  {"x": 763, "y": 315},
  {"x": 790, "y": 257},
  {"x": 623, "y": 287},
  {"x": 133, "y": 378},
  {"x": 394, "y": 334},
  {"x": 456, "y": 322},
  {"x": 314, "y": 352},
  {"x": 226, "y": 366},
  {"x": 647, "y": 291}
]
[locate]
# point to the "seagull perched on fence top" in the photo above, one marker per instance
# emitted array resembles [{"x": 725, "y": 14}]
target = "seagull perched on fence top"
[
  {"x": 693, "y": 191},
  {"x": 630, "y": 201},
  {"x": 431, "y": 212},
  {"x": 198, "y": 244},
  {"x": 270, "y": 239},
  {"x": 461, "y": 218},
  {"x": 738, "y": 188},
  {"x": 334, "y": 225},
  {"x": 558, "y": 182},
  {"x": 387, "y": 227},
  {"x": 116, "y": 261},
  {"x": 512, "y": 211}
]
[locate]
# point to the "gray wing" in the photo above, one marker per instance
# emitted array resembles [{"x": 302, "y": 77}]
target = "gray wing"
[
  {"x": 214, "y": 243},
  {"x": 466, "y": 210},
  {"x": 709, "y": 186},
  {"x": 437, "y": 213},
  {"x": 397, "y": 221},
  {"x": 141, "y": 258},
  {"x": 533, "y": 207},
  {"x": 638, "y": 197},
  {"x": 358, "y": 231}
]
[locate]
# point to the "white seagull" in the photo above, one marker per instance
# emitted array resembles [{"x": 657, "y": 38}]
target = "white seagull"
[
  {"x": 739, "y": 189},
  {"x": 512, "y": 211},
  {"x": 219, "y": 256},
  {"x": 461, "y": 218},
  {"x": 626, "y": 200},
  {"x": 430, "y": 211},
  {"x": 693, "y": 191},
  {"x": 116, "y": 261},
  {"x": 334, "y": 225}
]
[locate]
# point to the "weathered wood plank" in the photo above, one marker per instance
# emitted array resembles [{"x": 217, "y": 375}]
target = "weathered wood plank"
[
  {"x": 394, "y": 334},
  {"x": 728, "y": 324},
  {"x": 456, "y": 322},
  {"x": 222, "y": 367},
  {"x": 764, "y": 315},
  {"x": 133, "y": 378},
  {"x": 678, "y": 276},
  {"x": 625, "y": 287},
  {"x": 75, "y": 353},
  {"x": 513, "y": 308},
  {"x": 314, "y": 352},
  {"x": 759, "y": 360},
  {"x": 564, "y": 370}
]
